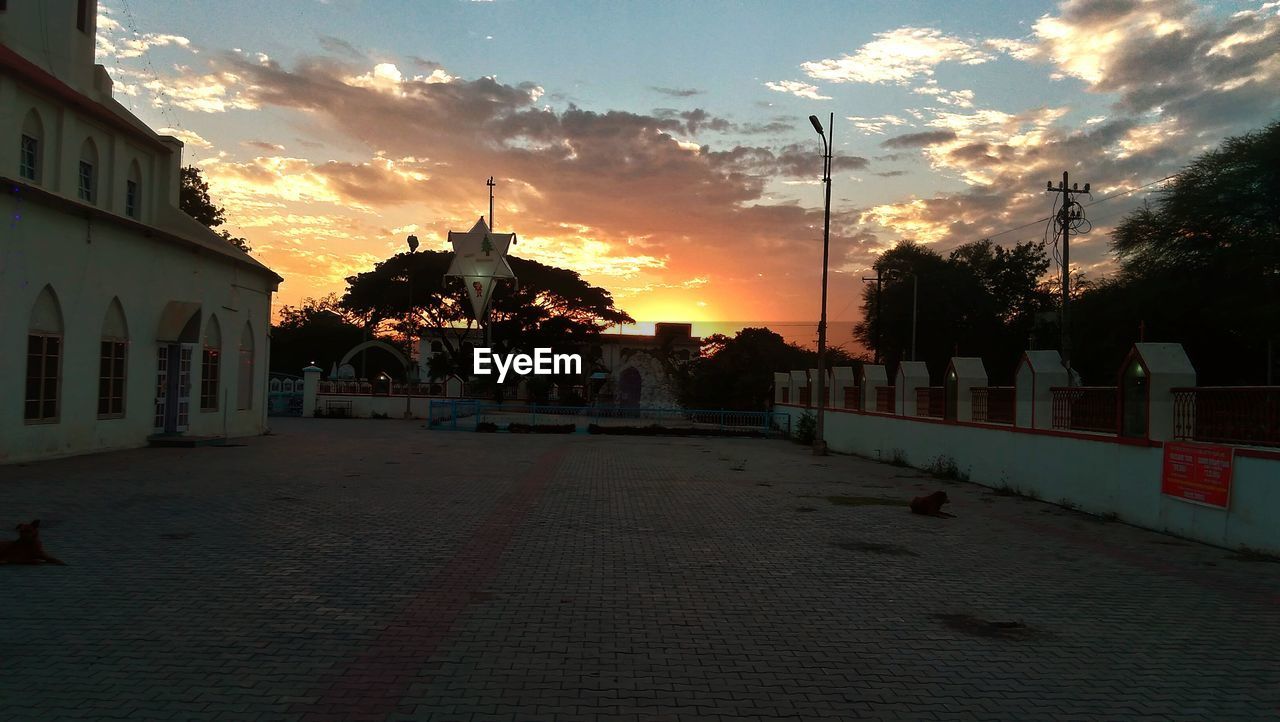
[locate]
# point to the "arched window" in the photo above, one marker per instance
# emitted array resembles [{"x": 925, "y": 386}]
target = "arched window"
[
  {"x": 31, "y": 150},
  {"x": 88, "y": 176},
  {"x": 210, "y": 360},
  {"x": 44, "y": 359},
  {"x": 133, "y": 192},
  {"x": 113, "y": 350},
  {"x": 244, "y": 384}
]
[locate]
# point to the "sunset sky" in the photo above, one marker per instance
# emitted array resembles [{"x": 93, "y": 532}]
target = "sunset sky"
[{"x": 663, "y": 149}]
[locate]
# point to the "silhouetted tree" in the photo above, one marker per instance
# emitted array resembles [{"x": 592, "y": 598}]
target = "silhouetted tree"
[
  {"x": 737, "y": 372},
  {"x": 320, "y": 331},
  {"x": 550, "y": 307},
  {"x": 981, "y": 300},
  {"x": 194, "y": 200},
  {"x": 1200, "y": 266}
]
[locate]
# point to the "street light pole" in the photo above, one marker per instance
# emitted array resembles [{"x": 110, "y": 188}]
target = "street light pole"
[
  {"x": 819, "y": 437},
  {"x": 410, "y": 373}
]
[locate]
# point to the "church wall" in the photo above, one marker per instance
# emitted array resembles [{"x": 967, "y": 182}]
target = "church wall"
[{"x": 87, "y": 265}]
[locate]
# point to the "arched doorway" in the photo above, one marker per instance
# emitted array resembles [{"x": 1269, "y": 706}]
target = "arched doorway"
[
  {"x": 629, "y": 383},
  {"x": 177, "y": 336}
]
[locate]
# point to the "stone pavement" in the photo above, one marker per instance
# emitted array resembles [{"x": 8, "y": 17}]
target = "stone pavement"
[{"x": 376, "y": 570}]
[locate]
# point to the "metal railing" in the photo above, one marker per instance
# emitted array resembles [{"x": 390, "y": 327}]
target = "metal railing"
[
  {"x": 466, "y": 414},
  {"x": 931, "y": 401},
  {"x": 1086, "y": 408},
  {"x": 885, "y": 402},
  {"x": 1248, "y": 415},
  {"x": 446, "y": 413},
  {"x": 993, "y": 404},
  {"x": 334, "y": 387}
]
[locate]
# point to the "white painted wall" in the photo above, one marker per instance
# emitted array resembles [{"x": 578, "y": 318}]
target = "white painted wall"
[
  {"x": 90, "y": 254},
  {"x": 1096, "y": 475},
  {"x": 52, "y": 248}
]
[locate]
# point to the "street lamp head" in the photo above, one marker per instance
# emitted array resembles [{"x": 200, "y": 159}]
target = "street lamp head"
[{"x": 817, "y": 124}]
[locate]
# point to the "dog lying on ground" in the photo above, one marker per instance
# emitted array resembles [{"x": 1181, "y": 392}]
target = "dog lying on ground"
[
  {"x": 26, "y": 549},
  {"x": 931, "y": 505}
]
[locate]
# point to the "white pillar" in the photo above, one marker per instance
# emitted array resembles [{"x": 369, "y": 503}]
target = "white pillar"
[
  {"x": 965, "y": 373},
  {"x": 842, "y": 378},
  {"x": 873, "y": 376},
  {"x": 310, "y": 388},
  {"x": 799, "y": 380},
  {"x": 911, "y": 375},
  {"x": 782, "y": 388},
  {"x": 1166, "y": 367},
  {"x": 1038, "y": 372}
]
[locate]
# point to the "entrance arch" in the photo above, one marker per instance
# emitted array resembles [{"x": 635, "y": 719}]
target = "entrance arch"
[
  {"x": 376, "y": 344},
  {"x": 177, "y": 334}
]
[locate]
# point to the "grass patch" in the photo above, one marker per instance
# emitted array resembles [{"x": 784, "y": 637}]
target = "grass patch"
[{"x": 945, "y": 467}]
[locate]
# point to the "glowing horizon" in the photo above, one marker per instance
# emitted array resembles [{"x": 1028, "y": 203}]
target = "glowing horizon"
[{"x": 683, "y": 181}]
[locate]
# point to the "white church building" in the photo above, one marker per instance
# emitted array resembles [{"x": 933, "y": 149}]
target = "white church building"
[{"x": 121, "y": 318}]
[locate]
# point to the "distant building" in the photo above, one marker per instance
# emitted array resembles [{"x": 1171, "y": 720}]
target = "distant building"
[
  {"x": 638, "y": 368},
  {"x": 120, "y": 316}
]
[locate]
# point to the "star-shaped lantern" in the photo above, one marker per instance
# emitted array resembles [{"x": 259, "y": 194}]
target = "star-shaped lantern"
[{"x": 479, "y": 259}]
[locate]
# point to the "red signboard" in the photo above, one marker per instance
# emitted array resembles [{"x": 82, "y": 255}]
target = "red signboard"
[{"x": 1199, "y": 473}]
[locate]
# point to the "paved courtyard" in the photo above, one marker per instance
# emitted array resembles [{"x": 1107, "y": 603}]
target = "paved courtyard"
[{"x": 376, "y": 570}]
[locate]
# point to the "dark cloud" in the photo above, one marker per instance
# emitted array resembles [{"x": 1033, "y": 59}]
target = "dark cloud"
[
  {"x": 337, "y": 45},
  {"x": 676, "y": 92},
  {"x": 891, "y": 173},
  {"x": 974, "y": 153},
  {"x": 776, "y": 126},
  {"x": 695, "y": 120},
  {"x": 792, "y": 161},
  {"x": 919, "y": 140}
]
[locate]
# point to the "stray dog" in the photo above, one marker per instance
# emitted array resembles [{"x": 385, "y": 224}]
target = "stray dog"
[
  {"x": 26, "y": 549},
  {"x": 931, "y": 505}
]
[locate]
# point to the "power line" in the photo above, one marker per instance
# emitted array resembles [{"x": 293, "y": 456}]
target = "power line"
[{"x": 1103, "y": 199}]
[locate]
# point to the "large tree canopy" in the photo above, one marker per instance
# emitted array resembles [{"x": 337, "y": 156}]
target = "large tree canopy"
[
  {"x": 1199, "y": 266},
  {"x": 319, "y": 331},
  {"x": 981, "y": 300},
  {"x": 549, "y": 307}
]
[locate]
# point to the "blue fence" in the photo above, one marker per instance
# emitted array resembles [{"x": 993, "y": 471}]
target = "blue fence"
[{"x": 466, "y": 414}]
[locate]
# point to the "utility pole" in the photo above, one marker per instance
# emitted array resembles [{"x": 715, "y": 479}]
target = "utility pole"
[{"x": 1069, "y": 212}]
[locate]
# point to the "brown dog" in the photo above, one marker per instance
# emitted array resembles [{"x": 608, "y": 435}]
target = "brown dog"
[
  {"x": 26, "y": 549},
  {"x": 931, "y": 505}
]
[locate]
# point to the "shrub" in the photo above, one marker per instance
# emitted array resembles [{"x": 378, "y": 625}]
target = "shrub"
[{"x": 806, "y": 428}]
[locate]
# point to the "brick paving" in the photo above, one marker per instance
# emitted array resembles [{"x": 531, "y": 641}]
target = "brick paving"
[{"x": 376, "y": 570}]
